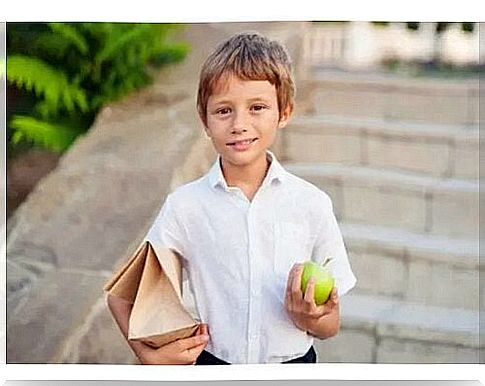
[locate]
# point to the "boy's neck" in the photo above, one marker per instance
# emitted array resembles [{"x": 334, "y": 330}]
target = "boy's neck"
[{"x": 248, "y": 178}]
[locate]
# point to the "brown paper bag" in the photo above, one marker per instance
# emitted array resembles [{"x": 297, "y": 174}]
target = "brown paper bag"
[{"x": 154, "y": 286}]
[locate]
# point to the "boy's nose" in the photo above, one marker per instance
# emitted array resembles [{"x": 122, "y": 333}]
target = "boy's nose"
[
  {"x": 239, "y": 124},
  {"x": 238, "y": 130}
]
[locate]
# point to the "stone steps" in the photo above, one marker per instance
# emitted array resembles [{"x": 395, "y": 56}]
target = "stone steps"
[
  {"x": 393, "y": 98},
  {"x": 416, "y": 203},
  {"x": 437, "y": 150},
  {"x": 418, "y": 268},
  {"x": 399, "y": 158},
  {"x": 383, "y": 330}
]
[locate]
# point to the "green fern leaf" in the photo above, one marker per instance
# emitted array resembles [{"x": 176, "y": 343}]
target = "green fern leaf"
[
  {"x": 70, "y": 33},
  {"x": 35, "y": 75},
  {"x": 51, "y": 136},
  {"x": 170, "y": 53},
  {"x": 116, "y": 43},
  {"x": 17, "y": 137},
  {"x": 49, "y": 45},
  {"x": 44, "y": 109}
]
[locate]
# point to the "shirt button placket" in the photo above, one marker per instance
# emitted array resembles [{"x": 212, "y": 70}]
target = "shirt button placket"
[{"x": 254, "y": 284}]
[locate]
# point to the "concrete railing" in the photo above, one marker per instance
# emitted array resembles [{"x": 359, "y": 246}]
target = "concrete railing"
[{"x": 360, "y": 45}]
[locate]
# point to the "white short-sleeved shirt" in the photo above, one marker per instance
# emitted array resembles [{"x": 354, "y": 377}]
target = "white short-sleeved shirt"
[{"x": 238, "y": 254}]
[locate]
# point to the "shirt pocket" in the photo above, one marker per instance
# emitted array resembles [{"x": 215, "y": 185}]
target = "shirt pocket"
[{"x": 291, "y": 246}]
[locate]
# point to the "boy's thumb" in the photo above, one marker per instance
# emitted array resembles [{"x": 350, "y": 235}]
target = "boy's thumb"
[{"x": 204, "y": 329}]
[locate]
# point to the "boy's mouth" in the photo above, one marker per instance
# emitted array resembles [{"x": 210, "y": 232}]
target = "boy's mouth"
[{"x": 242, "y": 144}]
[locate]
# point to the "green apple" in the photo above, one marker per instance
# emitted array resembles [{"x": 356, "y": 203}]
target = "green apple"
[{"x": 324, "y": 281}]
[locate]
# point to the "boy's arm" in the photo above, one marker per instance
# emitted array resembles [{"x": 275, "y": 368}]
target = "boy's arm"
[
  {"x": 182, "y": 351},
  {"x": 320, "y": 321}
]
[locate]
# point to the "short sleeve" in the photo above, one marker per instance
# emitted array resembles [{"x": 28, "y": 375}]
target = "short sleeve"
[
  {"x": 166, "y": 232},
  {"x": 329, "y": 243}
]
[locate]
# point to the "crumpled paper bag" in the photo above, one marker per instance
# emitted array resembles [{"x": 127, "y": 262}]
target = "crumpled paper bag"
[{"x": 154, "y": 287}]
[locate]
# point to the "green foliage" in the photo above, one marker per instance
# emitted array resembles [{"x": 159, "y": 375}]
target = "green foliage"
[
  {"x": 468, "y": 27},
  {"x": 442, "y": 27},
  {"x": 49, "y": 135},
  {"x": 380, "y": 23},
  {"x": 412, "y": 25},
  {"x": 69, "y": 36},
  {"x": 48, "y": 83},
  {"x": 67, "y": 71}
]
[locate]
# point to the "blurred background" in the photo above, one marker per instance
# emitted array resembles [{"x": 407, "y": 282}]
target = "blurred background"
[{"x": 101, "y": 125}]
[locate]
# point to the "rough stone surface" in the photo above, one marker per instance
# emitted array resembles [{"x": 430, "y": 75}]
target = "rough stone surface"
[
  {"x": 467, "y": 160},
  {"x": 411, "y": 321},
  {"x": 431, "y": 101},
  {"x": 430, "y": 272},
  {"x": 48, "y": 313},
  {"x": 423, "y": 157},
  {"x": 378, "y": 206},
  {"x": 348, "y": 103},
  {"x": 449, "y": 108},
  {"x": 437, "y": 150},
  {"x": 21, "y": 277},
  {"x": 323, "y": 148},
  {"x": 447, "y": 207},
  {"x": 461, "y": 253},
  {"x": 336, "y": 349},
  {"x": 455, "y": 213},
  {"x": 373, "y": 270},
  {"x": 398, "y": 351},
  {"x": 443, "y": 285},
  {"x": 98, "y": 340}
]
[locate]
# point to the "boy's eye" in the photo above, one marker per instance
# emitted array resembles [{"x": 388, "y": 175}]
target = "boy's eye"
[
  {"x": 258, "y": 107},
  {"x": 223, "y": 111}
]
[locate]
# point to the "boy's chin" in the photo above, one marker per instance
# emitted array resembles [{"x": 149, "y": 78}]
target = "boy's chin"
[{"x": 243, "y": 159}]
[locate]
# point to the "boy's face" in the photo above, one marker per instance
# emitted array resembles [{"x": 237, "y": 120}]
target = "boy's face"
[{"x": 242, "y": 120}]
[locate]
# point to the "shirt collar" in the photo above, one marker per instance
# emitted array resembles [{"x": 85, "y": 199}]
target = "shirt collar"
[{"x": 276, "y": 172}]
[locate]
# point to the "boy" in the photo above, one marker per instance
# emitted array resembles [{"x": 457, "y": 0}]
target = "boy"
[{"x": 243, "y": 230}]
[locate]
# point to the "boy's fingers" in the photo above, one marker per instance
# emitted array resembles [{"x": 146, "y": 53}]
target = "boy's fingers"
[
  {"x": 322, "y": 311},
  {"x": 289, "y": 284},
  {"x": 296, "y": 284},
  {"x": 310, "y": 291},
  {"x": 334, "y": 296},
  {"x": 290, "y": 277},
  {"x": 333, "y": 299},
  {"x": 193, "y": 353},
  {"x": 327, "y": 307},
  {"x": 196, "y": 340},
  {"x": 204, "y": 329}
]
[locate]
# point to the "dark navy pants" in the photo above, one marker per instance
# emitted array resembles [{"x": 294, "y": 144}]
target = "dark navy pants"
[{"x": 206, "y": 358}]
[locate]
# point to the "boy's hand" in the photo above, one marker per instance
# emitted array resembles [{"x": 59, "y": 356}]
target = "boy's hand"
[
  {"x": 321, "y": 321},
  {"x": 181, "y": 352}
]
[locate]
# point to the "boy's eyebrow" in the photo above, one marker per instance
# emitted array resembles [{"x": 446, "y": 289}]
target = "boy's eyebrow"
[
  {"x": 254, "y": 99},
  {"x": 219, "y": 102},
  {"x": 257, "y": 99}
]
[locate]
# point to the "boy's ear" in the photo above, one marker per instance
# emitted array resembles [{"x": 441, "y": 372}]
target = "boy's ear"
[
  {"x": 203, "y": 122},
  {"x": 207, "y": 131},
  {"x": 285, "y": 116}
]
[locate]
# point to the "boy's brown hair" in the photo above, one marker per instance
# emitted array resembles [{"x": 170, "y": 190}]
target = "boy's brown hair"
[{"x": 248, "y": 56}]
